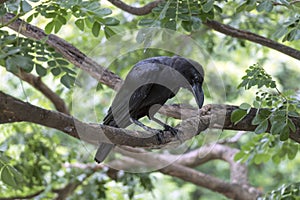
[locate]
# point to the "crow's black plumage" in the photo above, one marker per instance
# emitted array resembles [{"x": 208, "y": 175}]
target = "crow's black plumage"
[{"x": 149, "y": 84}]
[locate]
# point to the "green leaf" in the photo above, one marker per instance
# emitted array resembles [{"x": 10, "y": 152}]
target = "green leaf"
[
  {"x": 256, "y": 104},
  {"x": 218, "y": 8},
  {"x": 196, "y": 23},
  {"x": 284, "y": 134},
  {"x": 108, "y": 32},
  {"x": 11, "y": 65},
  {"x": 111, "y": 21},
  {"x": 237, "y": 115},
  {"x": 257, "y": 119},
  {"x": 280, "y": 32},
  {"x": 262, "y": 127},
  {"x": 67, "y": 80},
  {"x": 62, "y": 62},
  {"x": 23, "y": 62},
  {"x": 291, "y": 125},
  {"x": 55, "y": 71},
  {"x": 39, "y": 58},
  {"x": 292, "y": 152},
  {"x": 146, "y": 22},
  {"x": 266, "y": 5},
  {"x": 57, "y": 26},
  {"x": 187, "y": 25},
  {"x": 49, "y": 27},
  {"x": 276, "y": 127},
  {"x": 208, "y": 6},
  {"x": 104, "y": 12},
  {"x": 241, "y": 7},
  {"x": 69, "y": 71},
  {"x": 96, "y": 29},
  {"x": 245, "y": 106},
  {"x": 170, "y": 25},
  {"x": 62, "y": 19},
  {"x": 51, "y": 63},
  {"x": 99, "y": 87},
  {"x": 239, "y": 155},
  {"x": 80, "y": 24},
  {"x": 40, "y": 70},
  {"x": 7, "y": 176},
  {"x": 260, "y": 158},
  {"x": 26, "y": 7}
]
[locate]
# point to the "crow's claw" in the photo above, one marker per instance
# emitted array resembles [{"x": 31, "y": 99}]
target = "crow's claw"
[
  {"x": 174, "y": 131},
  {"x": 160, "y": 136}
]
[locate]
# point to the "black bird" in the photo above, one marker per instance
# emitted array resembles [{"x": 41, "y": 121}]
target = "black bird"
[{"x": 149, "y": 84}]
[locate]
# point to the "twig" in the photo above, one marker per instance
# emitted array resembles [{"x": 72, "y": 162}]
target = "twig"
[
  {"x": 37, "y": 83},
  {"x": 135, "y": 10}
]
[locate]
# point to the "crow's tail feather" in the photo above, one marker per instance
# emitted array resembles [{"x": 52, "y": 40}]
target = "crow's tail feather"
[{"x": 103, "y": 151}]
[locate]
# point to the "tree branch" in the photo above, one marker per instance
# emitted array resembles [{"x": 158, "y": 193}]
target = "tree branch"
[
  {"x": 238, "y": 171},
  {"x": 247, "y": 35},
  {"x": 14, "y": 110},
  {"x": 135, "y": 10},
  {"x": 37, "y": 83},
  {"x": 176, "y": 169},
  {"x": 217, "y": 116}
]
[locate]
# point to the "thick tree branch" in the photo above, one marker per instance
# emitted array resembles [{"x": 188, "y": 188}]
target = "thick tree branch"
[
  {"x": 215, "y": 116},
  {"x": 37, "y": 83},
  {"x": 14, "y": 110},
  {"x": 136, "y": 10}
]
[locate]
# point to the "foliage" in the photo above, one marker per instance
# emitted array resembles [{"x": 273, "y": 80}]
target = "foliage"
[
  {"x": 32, "y": 157},
  {"x": 190, "y": 14},
  {"x": 275, "y": 112},
  {"x": 23, "y": 54},
  {"x": 286, "y": 191}
]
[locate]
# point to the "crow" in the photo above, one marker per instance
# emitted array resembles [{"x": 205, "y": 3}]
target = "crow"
[{"x": 148, "y": 85}]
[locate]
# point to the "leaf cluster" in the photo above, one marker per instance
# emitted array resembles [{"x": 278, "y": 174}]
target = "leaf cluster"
[
  {"x": 264, "y": 147},
  {"x": 275, "y": 111},
  {"x": 187, "y": 14},
  {"x": 88, "y": 14},
  {"x": 286, "y": 191},
  {"x": 18, "y": 53},
  {"x": 133, "y": 181}
]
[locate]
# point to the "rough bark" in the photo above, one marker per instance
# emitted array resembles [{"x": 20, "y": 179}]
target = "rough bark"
[{"x": 212, "y": 116}]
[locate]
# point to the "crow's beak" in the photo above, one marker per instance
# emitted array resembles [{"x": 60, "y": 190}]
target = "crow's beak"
[{"x": 198, "y": 93}]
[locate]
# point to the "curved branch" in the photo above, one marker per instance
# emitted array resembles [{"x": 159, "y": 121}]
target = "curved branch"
[
  {"x": 246, "y": 35},
  {"x": 232, "y": 190},
  {"x": 238, "y": 171},
  {"x": 37, "y": 83},
  {"x": 135, "y": 10}
]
